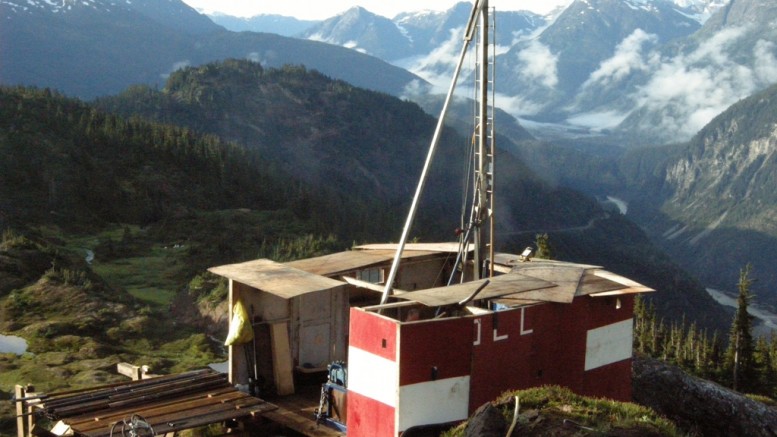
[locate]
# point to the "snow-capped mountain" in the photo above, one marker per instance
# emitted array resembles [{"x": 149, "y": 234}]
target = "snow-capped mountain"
[
  {"x": 647, "y": 71},
  {"x": 269, "y": 23},
  {"x": 644, "y": 70},
  {"x": 171, "y": 13},
  {"x": 410, "y": 35},
  {"x": 587, "y": 67},
  {"x": 364, "y": 31},
  {"x": 91, "y": 48}
]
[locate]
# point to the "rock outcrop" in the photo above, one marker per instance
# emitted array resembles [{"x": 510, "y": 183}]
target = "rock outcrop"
[{"x": 700, "y": 406}]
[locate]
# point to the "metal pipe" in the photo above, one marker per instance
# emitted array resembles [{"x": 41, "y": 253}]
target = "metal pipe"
[{"x": 477, "y": 10}]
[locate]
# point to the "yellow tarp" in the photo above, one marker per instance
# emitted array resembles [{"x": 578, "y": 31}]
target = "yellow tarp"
[{"x": 240, "y": 330}]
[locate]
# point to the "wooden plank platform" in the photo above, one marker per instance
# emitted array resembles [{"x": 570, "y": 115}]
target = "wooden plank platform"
[
  {"x": 168, "y": 403},
  {"x": 297, "y": 412}
]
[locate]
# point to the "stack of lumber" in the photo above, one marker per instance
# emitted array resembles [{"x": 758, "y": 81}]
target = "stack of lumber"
[{"x": 167, "y": 403}]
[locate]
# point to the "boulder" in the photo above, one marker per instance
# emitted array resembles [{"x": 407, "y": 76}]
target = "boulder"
[{"x": 697, "y": 405}]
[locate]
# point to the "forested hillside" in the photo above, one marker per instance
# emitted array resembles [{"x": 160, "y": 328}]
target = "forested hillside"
[
  {"x": 711, "y": 201},
  {"x": 242, "y": 162},
  {"x": 358, "y": 143}
]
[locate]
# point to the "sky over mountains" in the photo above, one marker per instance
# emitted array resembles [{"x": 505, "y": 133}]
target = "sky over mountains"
[{"x": 304, "y": 9}]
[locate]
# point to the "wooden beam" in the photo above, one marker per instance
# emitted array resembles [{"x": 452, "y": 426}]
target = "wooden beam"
[
  {"x": 129, "y": 370},
  {"x": 283, "y": 369},
  {"x": 21, "y": 420}
]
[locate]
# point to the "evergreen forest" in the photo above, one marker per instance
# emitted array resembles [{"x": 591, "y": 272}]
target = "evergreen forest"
[{"x": 111, "y": 212}]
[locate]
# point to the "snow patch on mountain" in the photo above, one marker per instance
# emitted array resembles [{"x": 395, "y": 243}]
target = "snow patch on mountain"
[
  {"x": 56, "y": 6},
  {"x": 699, "y": 10}
]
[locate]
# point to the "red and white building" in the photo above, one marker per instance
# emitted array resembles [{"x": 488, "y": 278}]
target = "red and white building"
[{"x": 435, "y": 353}]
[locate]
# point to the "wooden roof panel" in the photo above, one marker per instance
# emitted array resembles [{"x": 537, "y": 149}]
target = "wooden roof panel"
[
  {"x": 340, "y": 262},
  {"x": 275, "y": 278},
  {"x": 498, "y": 286},
  {"x": 627, "y": 285},
  {"x": 445, "y": 247}
]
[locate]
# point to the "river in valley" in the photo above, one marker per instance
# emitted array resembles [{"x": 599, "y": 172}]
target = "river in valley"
[{"x": 765, "y": 320}]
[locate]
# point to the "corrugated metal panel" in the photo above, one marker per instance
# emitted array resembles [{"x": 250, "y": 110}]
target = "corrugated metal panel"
[
  {"x": 275, "y": 278},
  {"x": 498, "y": 286}
]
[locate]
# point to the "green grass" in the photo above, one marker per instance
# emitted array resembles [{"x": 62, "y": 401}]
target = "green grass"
[
  {"x": 150, "y": 275},
  {"x": 150, "y": 278},
  {"x": 603, "y": 416}
]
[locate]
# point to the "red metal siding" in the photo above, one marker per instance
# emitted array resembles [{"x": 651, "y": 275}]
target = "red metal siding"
[
  {"x": 442, "y": 344},
  {"x": 612, "y": 381},
  {"x": 368, "y": 417},
  {"x": 373, "y": 334},
  {"x": 552, "y": 353},
  {"x": 510, "y": 349},
  {"x": 499, "y": 363}
]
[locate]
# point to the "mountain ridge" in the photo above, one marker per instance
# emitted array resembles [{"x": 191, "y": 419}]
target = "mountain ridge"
[{"x": 101, "y": 52}]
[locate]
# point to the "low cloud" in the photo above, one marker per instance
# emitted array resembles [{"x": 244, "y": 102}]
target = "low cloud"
[
  {"x": 629, "y": 57},
  {"x": 265, "y": 59},
  {"x": 517, "y": 105},
  {"x": 538, "y": 64},
  {"x": 437, "y": 67},
  {"x": 765, "y": 62},
  {"x": 689, "y": 90},
  {"x": 176, "y": 66},
  {"x": 414, "y": 89},
  {"x": 598, "y": 120}
]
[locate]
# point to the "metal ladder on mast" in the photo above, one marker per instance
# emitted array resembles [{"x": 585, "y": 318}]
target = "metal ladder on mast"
[{"x": 485, "y": 144}]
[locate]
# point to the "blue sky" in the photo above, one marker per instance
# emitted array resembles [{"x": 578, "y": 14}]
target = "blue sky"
[{"x": 321, "y": 9}]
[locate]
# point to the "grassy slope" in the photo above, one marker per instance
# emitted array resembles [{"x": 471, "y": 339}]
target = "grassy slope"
[{"x": 552, "y": 410}]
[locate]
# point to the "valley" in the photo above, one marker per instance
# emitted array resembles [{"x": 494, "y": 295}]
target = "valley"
[{"x": 635, "y": 135}]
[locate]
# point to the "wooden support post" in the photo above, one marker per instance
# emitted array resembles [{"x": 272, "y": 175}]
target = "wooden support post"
[
  {"x": 283, "y": 368},
  {"x": 21, "y": 421},
  {"x": 30, "y": 391},
  {"x": 25, "y": 420}
]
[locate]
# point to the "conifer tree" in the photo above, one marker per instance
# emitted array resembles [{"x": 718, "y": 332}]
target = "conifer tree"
[
  {"x": 740, "y": 362},
  {"x": 767, "y": 377},
  {"x": 544, "y": 249}
]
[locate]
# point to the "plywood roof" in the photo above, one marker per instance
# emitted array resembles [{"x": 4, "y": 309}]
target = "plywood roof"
[
  {"x": 534, "y": 282},
  {"x": 527, "y": 282},
  {"x": 510, "y": 259},
  {"x": 361, "y": 258},
  {"x": 628, "y": 286},
  {"x": 449, "y": 247},
  {"x": 497, "y": 286},
  {"x": 275, "y": 278},
  {"x": 340, "y": 262}
]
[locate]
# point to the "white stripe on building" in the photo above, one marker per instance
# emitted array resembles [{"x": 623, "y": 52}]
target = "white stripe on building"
[
  {"x": 373, "y": 376},
  {"x": 609, "y": 344},
  {"x": 440, "y": 401}
]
